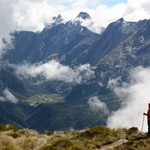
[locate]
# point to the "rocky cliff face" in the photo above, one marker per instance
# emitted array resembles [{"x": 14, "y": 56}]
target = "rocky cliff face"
[
  {"x": 123, "y": 45},
  {"x": 127, "y": 48},
  {"x": 113, "y": 35},
  {"x": 60, "y": 41}
]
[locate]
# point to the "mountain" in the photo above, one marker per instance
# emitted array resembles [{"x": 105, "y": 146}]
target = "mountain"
[
  {"x": 113, "y": 35},
  {"x": 14, "y": 84},
  {"x": 11, "y": 113},
  {"x": 56, "y": 20},
  {"x": 60, "y": 41},
  {"x": 85, "y": 20},
  {"x": 127, "y": 47},
  {"x": 46, "y": 116},
  {"x": 112, "y": 53}
]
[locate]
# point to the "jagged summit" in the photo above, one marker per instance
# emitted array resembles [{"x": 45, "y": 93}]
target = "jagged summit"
[
  {"x": 57, "y": 20},
  {"x": 84, "y": 19},
  {"x": 83, "y": 15},
  {"x": 126, "y": 26},
  {"x": 120, "y": 20}
]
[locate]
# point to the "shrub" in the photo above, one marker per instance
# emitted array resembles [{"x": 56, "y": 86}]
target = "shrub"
[
  {"x": 28, "y": 144},
  {"x": 8, "y": 127},
  {"x": 96, "y": 131},
  {"x": 2, "y": 127},
  {"x": 48, "y": 147},
  {"x": 62, "y": 143},
  {"x": 132, "y": 130},
  {"x": 14, "y": 135},
  {"x": 49, "y": 132}
]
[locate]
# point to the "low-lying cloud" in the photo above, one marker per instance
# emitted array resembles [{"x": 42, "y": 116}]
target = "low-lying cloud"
[
  {"x": 96, "y": 104},
  {"x": 53, "y": 70},
  {"x": 135, "y": 97},
  {"x": 8, "y": 97}
]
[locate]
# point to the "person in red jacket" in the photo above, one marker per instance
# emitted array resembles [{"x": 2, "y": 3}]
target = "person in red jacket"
[{"x": 148, "y": 119}]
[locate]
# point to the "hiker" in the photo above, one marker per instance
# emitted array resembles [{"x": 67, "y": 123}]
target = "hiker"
[{"x": 148, "y": 119}]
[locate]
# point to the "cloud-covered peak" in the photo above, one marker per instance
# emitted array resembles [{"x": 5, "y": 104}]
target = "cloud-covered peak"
[
  {"x": 55, "y": 21},
  {"x": 84, "y": 19},
  {"x": 58, "y": 19},
  {"x": 84, "y": 15}
]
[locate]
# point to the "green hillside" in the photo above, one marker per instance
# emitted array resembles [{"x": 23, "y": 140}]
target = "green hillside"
[
  {"x": 10, "y": 81},
  {"x": 46, "y": 116}
]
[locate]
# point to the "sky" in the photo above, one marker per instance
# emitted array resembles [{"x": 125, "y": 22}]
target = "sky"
[{"x": 112, "y": 2}]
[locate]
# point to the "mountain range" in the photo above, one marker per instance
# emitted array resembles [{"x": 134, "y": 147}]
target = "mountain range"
[{"x": 112, "y": 52}]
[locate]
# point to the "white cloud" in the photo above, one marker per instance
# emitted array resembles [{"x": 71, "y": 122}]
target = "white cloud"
[
  {"x": 8, "y": 96},
  {"x": 76, "y": 3},
  {"x": 7, "y": 22},
  {"x": 135, "y": 97},
  {"x": 32, "y": 15},
  {"x": 53, "y": 70},
  {"x": 95, "y": 104},
  {"x": 137, "y": 10},
  {"x": 104, "y": 15}
]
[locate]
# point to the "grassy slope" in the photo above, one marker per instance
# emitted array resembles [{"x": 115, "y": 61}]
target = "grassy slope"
[{"x": 12, "y": 138}]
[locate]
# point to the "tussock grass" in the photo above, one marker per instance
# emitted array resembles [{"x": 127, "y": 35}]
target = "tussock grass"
[{"x": 13, "y": 138}]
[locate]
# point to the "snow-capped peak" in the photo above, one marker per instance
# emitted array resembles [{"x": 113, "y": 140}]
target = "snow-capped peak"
[{"x": 85, "y": 20}]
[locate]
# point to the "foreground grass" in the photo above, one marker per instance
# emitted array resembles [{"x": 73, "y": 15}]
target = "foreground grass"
[{"x": 13, "y": 138}]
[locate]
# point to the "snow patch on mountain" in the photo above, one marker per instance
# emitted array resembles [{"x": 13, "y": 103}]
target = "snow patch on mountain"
[
  {"x": 82, "y": 18},
  {"x": 85, "y": 20}
]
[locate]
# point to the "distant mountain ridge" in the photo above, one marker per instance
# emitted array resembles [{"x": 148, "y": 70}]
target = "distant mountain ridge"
[
  {"x": 83, "y": 18},
  {"x": 127, "y": 49},
  {"x": 113, "y": 35},
  {"x": 63, "y": 42}
]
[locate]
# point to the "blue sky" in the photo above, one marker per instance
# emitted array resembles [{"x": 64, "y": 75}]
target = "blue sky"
[
  {"x": 113, "y": 2},
  {"x": 85, "y": 3}
]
